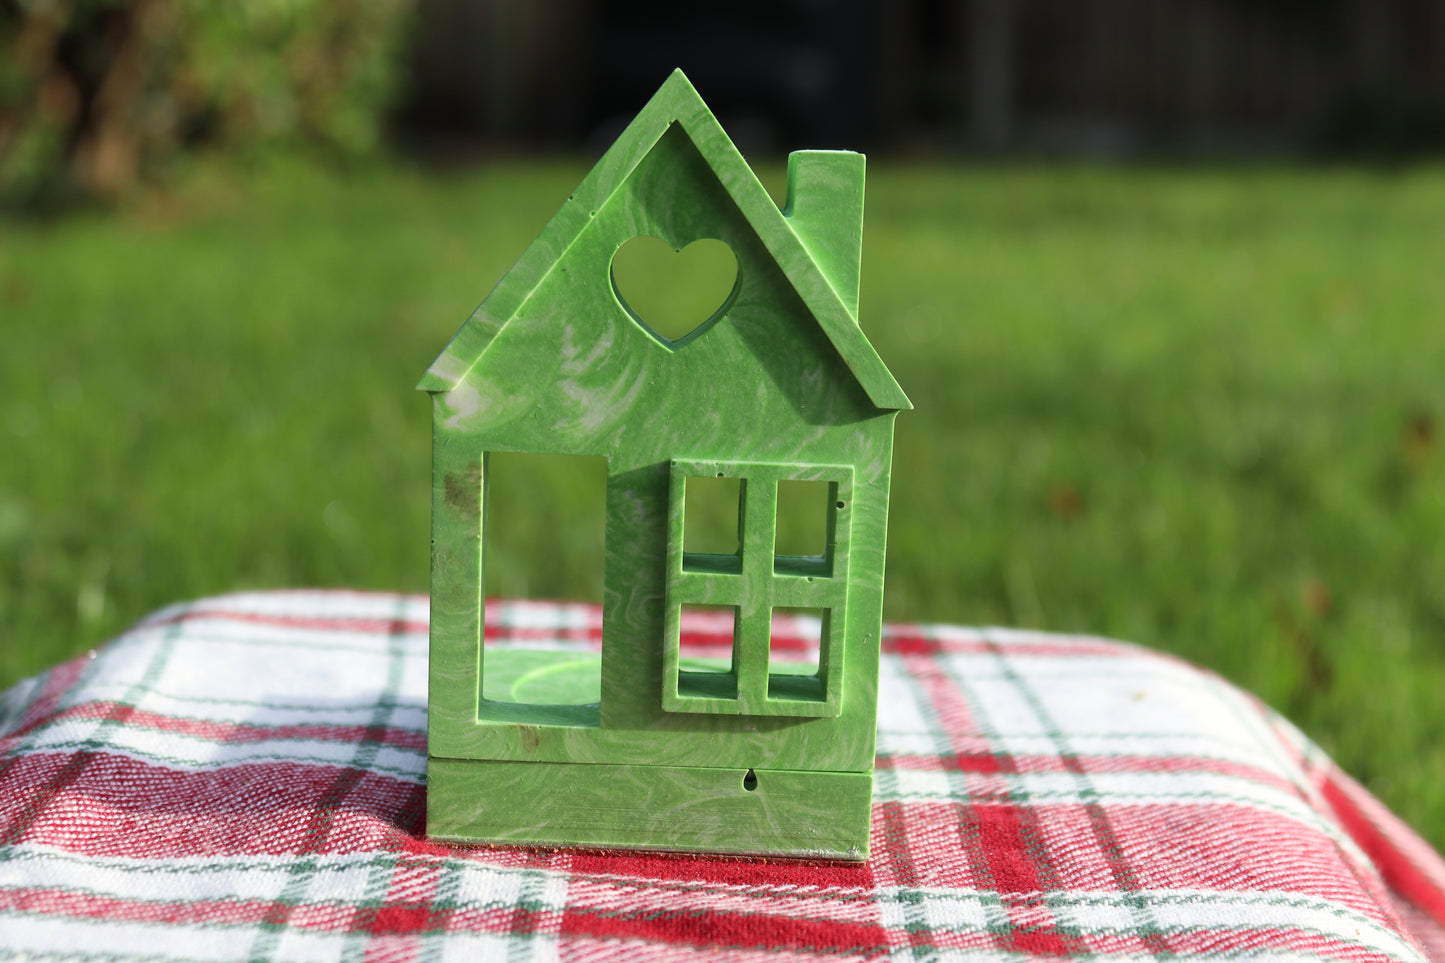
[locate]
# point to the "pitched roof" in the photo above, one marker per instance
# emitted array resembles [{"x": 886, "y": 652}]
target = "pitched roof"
[{"x": 676, "y": 102}]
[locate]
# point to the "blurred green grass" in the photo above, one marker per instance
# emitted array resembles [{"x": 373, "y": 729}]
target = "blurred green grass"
[{"x": 1198, "y": 409}]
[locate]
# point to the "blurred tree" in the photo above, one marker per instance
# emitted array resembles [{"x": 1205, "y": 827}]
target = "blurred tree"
[{"x": 97, "y": 94}]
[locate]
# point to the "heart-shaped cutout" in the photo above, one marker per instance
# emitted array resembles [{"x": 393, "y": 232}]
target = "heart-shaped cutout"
[{"x": 674, "y": 293}]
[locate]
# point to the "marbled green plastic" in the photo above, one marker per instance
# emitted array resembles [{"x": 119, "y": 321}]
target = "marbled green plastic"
[
  {"x": 812, "y": 814},
  {"x": 780, "y": 383},
  {"x": 753, "y": 581}
]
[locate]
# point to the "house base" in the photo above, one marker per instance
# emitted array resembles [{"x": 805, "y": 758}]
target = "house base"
[{"x": 817, "y": 815}]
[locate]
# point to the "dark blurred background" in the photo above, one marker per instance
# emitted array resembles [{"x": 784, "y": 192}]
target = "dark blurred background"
[
  {"x": 1099, "y": 77},
  {"x": 95, "y": 94}
]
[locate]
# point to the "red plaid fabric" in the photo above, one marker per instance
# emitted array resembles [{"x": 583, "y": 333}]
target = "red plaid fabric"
[{"x": 243, "y": 778}]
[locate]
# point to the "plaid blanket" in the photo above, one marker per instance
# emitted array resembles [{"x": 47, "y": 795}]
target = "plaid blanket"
[{"x": 243, "y": 778}]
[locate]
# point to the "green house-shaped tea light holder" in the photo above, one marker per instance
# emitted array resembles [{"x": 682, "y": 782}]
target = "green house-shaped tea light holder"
[{"x": 741, "y": 756}]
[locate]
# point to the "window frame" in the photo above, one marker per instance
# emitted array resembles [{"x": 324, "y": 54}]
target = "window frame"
[
  {"x": 756, "y": 580},
  {"x": 586, "y": 715}
]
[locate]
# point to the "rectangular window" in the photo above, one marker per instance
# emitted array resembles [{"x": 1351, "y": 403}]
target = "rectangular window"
[
  {"x": 786, "y": 567},
  {"x": 795, "y": 640},
  {"x": 802, "y": 518},
  {"x": 712, "y": 537},
  {"x": 543, "y": 535},
  {"x": 707, "y": 663},
  {"x": 713, "y": 523},
  {"x": 799, "y": 636}
]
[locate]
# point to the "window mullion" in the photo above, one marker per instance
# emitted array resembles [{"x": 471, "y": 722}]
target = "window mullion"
[
  {"x": 708, "y": 588},
  {"x": 805, "y": 593},
  {"x": 755, "y": 615}
]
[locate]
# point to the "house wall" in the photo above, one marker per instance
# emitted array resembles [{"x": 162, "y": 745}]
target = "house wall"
[
  {"x": 573, "y": 372},
  {"x": 635, "y": 612}
]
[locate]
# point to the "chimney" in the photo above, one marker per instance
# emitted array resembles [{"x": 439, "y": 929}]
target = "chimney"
[{"x": 825, "y": 209}]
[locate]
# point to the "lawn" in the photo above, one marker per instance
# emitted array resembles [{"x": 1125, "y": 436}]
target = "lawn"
[{"x": 1198, "y": 409}]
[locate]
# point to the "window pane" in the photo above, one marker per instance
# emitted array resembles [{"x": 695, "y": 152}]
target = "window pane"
[
  {"x": 543, "y": 537},
  {"x": 712, "y": 515},
  {"x": 802, "y": 518},
  {"x": 797, "y": 638},
  {"x": 707, "y": 654}
]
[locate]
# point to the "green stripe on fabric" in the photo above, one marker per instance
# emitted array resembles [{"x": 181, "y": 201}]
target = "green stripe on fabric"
[
  {"x": 1073, "y": 899},
  {"x": 373, "y": 898},
  {"x": 442, "y": 906},
  {"x": 97, "y": 956},
  {"x": 1256, "y": 722},
  {"x": 244, "y": 864},
  {"x": 1104, "y": 834},
  {"x": 302, "y": 871},
  {"x": 915, "y": 915},
  {"x": 35, "y": 736},
  {"x": 15, "y": 702},
  {"x": 412, "y": 775},
  {"x": 88, "y": 748},
  {"x": 530, "y": 906},
  {"x": 26, "y": 741},
  {"x": 1024, "y": 805},
  {"x": 983, "y": 900},
  {"x": 418, "y": 704},
  {"x": 292, "y": 643}
]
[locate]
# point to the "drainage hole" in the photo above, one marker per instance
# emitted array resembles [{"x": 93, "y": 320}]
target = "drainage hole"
[{"x": 750, "y": 781}]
